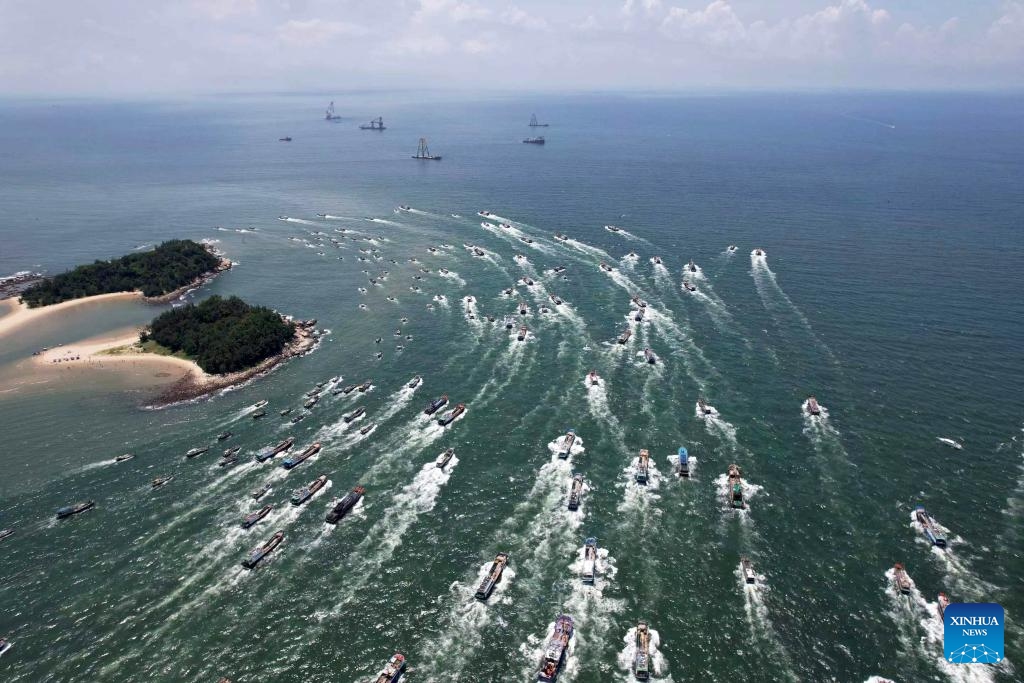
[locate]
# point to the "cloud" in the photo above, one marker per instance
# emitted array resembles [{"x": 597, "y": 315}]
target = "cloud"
[
  {"x": 717, "y": 24},
  {"x": 417, "y": 45},
  {"x": 1007, "y": 32},
  {"x": 513, "y": 16},
  {"x": 223, "y": 9},
  {"x": 313, "y": 32}
]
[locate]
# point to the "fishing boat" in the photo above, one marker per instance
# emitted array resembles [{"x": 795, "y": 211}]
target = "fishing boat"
[
  {"x": 485, "y": 214},
  {"x": 593, "y": 379},
  {"x": 735, "y": 491},
  {"x": 535, "y": 124},
  {"x": 477, "y": 251},
  {"x": 523, "y": 308},
  {"x": 253, "y": 517},
  {"x": 124, "y": 457},
  {"x": 257, "y": 554},
  {"x": 539, "y": 140},
  {"x": 442, "y": 460},
  {"x": 196, "y": 451},
  {"x": 260, "y": 404},
  {"x": 522, "y": 333},
  {"x": 160, "y": 481},
  {"x": 349, "y": 389},
  {"x": 943, "y": 603},
  {"x": 689, "y": 286},
  {"x": 565, "y": 447},
  {"x": 759, "y": 252},
  {"x": 950, "y": 442},
  {"x": 261, "y": 491},
  {"x": 650, "y": 357},
  {"x": 228, "y": 461},
  {"x": 392, "y": 671},
  {"x": 367, "y": 429},
  {"x": 556, "y": 300},
  {"x": 486, "y": 586},
  {"x": 5, "y": 645},
  {"x": 301, "y": 495},
  {"x": 6, "y": 533},
  {"x": 901, "y": 580},
  {"x": 75, "y": 509},
  {"x": 311, "y": 402},
  {"x": 415, "y": 382},
  {"x": 576, "y": 491},
  {"x": 228, "y": 452},
  {"x": 269, "y": 453},
  {"x": 691, "y": 266},
  {"x": 365, "y": 386},
  {"x": 435, "y": 405},
  {"x": 561, "y": 237},
  {"x": 330, "y": 115},
  {"x": 605, "y": 267},
  {"x": 452, "y": 415},
  {"x": 732, "y": 248},
  {"x": 224, "y": 436},
  {"x": 747, "y": 568},
  {"x": 588, "y": 573},
  {"x": 358, "y": 412},
  {"x": 613, "y": 228},
  {"x": 296, "y": 460},
  {"x": 626, "y": 334},
  {"x": 638, "y": 302},
  {"x": 641, "y": 653},
  {"x": 929, "y": 528},
  {"x": 657, "y": 260},
  {"x": 374, "y": 124},
  {"x": 812, "y": 406},
  {"x": 298, "y": 418},
  {"x": 509, "y": 322},
  {"x": 642, "y": 464},
  {"x": 683, "y": 465},
  {"x": 639, "y": 315},
  {"x": 423, "y": 152},
  {"x": 259, "y": 413},
  {"x": 703, "y": 408},
  {"x": 556, "y": 650},
  {"x": 345, "y": 505}
]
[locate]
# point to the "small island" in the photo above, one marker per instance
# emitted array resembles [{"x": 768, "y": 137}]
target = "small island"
[{"x": 164, "y": 272}]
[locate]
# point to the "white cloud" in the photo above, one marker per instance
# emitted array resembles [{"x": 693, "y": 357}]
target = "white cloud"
[
  {"x": 417, "y": 45},
  {"x": 474, "y": 46},
  {"x": 1007, "y": 32},
  {"x": 513, "y": 16},
  {"x": 223, "y": 9},
  {"x": 717, "y": 24},
  {"x": 312, "y": 32}
]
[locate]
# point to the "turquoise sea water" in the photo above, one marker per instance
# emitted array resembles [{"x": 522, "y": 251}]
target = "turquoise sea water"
[{"x": 891, "y": 290}]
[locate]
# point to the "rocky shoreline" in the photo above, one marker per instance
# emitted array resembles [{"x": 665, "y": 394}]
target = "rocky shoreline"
[{"x": 197, "y": 385}]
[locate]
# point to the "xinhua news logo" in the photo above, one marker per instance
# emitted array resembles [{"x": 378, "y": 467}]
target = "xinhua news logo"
[{"x": 973, "y": 633}]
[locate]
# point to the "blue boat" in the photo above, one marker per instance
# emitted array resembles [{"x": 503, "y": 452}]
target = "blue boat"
[
  {"x": 683, "y": 466},
  {"x": 555, "y": 652},
  {"x": 296, "y": 460},
  {"x": 931, "y": 531}
]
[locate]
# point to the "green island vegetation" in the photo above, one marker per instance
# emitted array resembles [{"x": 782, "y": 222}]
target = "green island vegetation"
[
  {"x": 171, "y": 265},
  {"x": 221, "y": 335}
]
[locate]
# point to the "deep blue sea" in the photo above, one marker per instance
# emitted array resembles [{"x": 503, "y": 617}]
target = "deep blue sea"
[{"x": 891, "y": 288}]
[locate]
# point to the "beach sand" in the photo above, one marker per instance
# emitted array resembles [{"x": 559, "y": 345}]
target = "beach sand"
[
  {"x": 113, "y": 351},
  {"x": 18, "y": 315}
]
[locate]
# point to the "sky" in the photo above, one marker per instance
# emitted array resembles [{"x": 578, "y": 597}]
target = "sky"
[{"x": 143, "y": 47}]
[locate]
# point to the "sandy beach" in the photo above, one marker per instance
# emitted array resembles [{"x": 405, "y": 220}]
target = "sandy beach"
[
  {"x": 115, "y": 350},
  {"x": 19, "y": 315}
]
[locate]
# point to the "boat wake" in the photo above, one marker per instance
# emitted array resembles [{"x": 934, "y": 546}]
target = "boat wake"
[
  {"x": 453, "y": 276},
  {"x": 761, "y": 627},
  {"x": 749, "y": 491},
  {"x": 658, "y": 663}
]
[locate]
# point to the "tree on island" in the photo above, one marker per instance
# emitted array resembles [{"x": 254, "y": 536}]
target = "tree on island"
[
  {"x": 221, "y": 335},
  {"x": 170, "y": 266}
]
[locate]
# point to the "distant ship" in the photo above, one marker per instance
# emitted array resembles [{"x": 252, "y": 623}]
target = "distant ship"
[
  {"x": 535, "y": 124},
  {"x": 539, "y": 140},
  {"x": 345, "y": 505},
  {"x": 423, "y": 152},
  {"x": 493, "y": 577},
  {"x": 576, "y": 491},
  {"x": 642, "y": 655},
  {"x": 330, "y": 115},
  {"x": 375, "y": 124},
  {"x": 285, "y": 139},
  {"x": 555, "y": 651},
  {"x": 393, "y": 670},
  {"x": 257, "y": 554}
]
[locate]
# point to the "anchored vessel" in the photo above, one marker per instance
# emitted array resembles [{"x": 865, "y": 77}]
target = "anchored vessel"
[
  {"x": 261, "y": 551},
  {"x": 302, "y": 495},
  {"x": 589, "y": 572},
  {"x": 343, "y": 506},
  {"x": 436, "y": 405},
  {"x": 749, "y": 575},
  {"x": 539, "y": 140},
  {"x": 493, "y": 577},
  {"x": 253, "y": 517},
  {"x": 423, "y": 152},
  {"x": 279, "y": 448},
  {"x": 442, "y": 460},
  {"x": 451, "y": 415},
  {"x": 554, "y": 654},
  {"x": 642, "y": 656},
  {"x": 642, "y": 463},
  {"x": 330, "y": 115},
  {"x": 735, "y": 493},
  {"x": 70, "y": 510},
  {"x": 535, "y": 124},
  {"x": 683, "y": 466},
  {"x": 576, "y": 491},
  {"x": 393, "y": 670},
  {"x": 901, "y": 579},
  {"x": 296, "y": 460},
  {"x": 931, "y": 532},
  {"x": 375, "y": 124},
  {"x": 812, "y": 406},
  {"x": 565, "y": 448}
]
